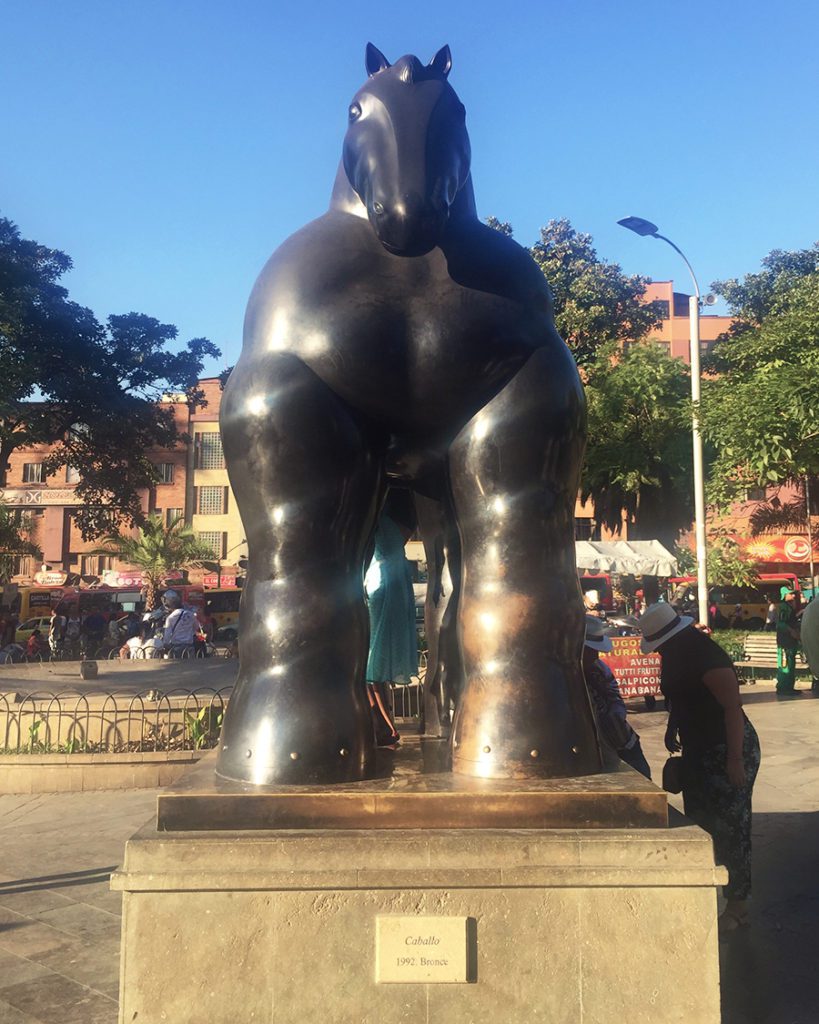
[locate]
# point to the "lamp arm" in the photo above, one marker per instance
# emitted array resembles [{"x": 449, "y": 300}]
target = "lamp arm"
[{"x": 677, "y": 249}]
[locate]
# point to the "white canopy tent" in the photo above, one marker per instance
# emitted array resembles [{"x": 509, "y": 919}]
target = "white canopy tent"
[{"x": 634, "y": 557}]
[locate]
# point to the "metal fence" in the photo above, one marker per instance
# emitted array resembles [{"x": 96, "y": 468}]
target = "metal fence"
[{"x": 110, "y": 723}]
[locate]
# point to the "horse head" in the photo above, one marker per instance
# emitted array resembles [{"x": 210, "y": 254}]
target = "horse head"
[{"x": 406, "y": 151}]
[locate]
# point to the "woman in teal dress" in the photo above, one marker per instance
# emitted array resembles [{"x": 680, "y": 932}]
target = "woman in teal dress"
[{"x": 393, "y": 656}]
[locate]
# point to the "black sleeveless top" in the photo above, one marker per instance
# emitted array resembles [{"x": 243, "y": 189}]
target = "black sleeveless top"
[{"x": 686, "y": 657}]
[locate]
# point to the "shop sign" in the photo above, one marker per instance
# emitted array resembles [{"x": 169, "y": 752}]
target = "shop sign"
[
  {"x": 212, "y": 579},
  {"x": 39, "y": 496},
  {"x": 777, "y": 548},
  {"x": 124, "y": 578},
  {"x": 50, "y": 578},
  {"x": 637, "y": 674}
]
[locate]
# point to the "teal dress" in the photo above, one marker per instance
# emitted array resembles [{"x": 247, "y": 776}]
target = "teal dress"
[{"x": 393, "y": 656}]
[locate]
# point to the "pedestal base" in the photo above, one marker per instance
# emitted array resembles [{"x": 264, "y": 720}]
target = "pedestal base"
[{"x": 287, "y": 926}]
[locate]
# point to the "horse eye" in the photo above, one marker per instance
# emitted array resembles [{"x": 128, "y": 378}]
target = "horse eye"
[{"x": 354, "y": 112}]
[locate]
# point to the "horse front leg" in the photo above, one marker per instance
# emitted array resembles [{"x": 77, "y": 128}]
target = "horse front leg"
[
  {"x": 307, "y": 486},
  {"x": 514, "y": 468}
]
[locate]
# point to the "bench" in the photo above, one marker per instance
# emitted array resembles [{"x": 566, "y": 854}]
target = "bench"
[{"x": 759, "y": 658}]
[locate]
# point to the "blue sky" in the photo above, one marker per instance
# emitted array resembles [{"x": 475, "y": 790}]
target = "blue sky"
[{"x": 168, "y": 148}]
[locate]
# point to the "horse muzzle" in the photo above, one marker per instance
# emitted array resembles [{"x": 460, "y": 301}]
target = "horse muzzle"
[{"x": 409, "y": 226}]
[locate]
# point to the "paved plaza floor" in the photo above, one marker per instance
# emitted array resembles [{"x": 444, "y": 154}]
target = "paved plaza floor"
[{"x": 59, "y": 923}]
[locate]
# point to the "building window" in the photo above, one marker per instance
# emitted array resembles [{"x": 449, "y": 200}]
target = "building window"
[
  {"x": 172, "y": 514},
  {"x": 755, "y": 494},
  {"x": 72, "y": 475},
  {"x": 665, "y": 346},
  {"x": 208, "y": 451},
  {"x": 663, "y": 307},
  {"x": 216, "y": 542},
  {"x": 211, "y": 501},
  {"x": 22, "y": 565},
  {"x": 165, "y": 472},
  {"x": 32, "y": 472},
  {"x": 583, "y": 528},
  {"x": 94, "y": 565}
]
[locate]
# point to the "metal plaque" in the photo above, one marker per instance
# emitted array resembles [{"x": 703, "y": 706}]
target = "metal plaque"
[{"x": 421, "y": 950}]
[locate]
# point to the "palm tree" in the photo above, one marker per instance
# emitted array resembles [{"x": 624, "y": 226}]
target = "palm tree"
[
  {"x": 157, "y": 550},
  {"x": 15, "y": 540}
]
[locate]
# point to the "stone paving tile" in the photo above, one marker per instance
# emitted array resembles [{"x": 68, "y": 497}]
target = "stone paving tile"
[
  {"x": 94, "y": 963},
  {"x": 11, "y": 1015},
  {"x": 14, "y": 969},
  {"x": 27, "y": 937},
  {"x": 31, "y": 903},
  {"x": 57, "y": 1000},
  {"x": 83, "y": 921}
]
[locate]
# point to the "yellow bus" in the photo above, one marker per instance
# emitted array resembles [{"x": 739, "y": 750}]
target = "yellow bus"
[{"x": 222, "y": 604}]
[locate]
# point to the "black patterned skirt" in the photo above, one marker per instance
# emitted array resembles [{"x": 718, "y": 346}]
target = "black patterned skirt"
[{"x": 722, "y": 809}]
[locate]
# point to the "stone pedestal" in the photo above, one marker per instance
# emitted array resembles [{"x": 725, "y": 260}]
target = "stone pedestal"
[{"x": 287, "y": 926}]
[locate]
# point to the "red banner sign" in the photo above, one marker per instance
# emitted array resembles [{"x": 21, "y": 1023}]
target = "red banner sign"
[
  {"x": 777, "y": 548},
  {"x": 212, "y": 579},
  {"x": 637, "y": 674}
]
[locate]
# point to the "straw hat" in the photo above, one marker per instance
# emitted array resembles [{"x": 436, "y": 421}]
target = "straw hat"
[
  {"x": 596, "y": 637},
  {"x": 658, "y": 623}
]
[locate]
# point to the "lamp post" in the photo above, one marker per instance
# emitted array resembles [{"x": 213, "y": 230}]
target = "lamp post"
[{"x": 646, "y": 228}]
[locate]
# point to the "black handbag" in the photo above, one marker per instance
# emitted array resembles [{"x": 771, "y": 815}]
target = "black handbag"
[{"x": 673, "y": 775}]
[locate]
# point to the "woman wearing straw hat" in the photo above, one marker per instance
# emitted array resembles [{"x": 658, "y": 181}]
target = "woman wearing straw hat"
[
  {"x": 617, "y": 738},
  {"x": 720, "y": 748}
]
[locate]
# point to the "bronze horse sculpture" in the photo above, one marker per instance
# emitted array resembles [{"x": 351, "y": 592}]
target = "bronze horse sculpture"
[{"x": 397, "y": 340}]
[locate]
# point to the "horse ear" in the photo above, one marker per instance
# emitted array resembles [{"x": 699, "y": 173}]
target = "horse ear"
[
  {"x": 375, "y": 60},
  {"x": 442, "y": 61}
]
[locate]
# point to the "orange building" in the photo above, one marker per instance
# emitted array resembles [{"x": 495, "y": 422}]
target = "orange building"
[
  {"x": 192, "y": 483},
  {"x": 674, "y": 332}
]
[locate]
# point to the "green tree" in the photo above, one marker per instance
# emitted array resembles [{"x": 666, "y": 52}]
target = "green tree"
[
  {"x": 759, "y": 408},
  {"x": 727, "y": 565},
  {"x": 16, "y": 539},
  {"x": 92, "y": 389},
  {"x": 157, "y": 550},
  {"x": 638, "y": 458}
]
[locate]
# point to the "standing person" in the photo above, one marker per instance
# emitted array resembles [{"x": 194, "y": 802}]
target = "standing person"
[
  {"x": 393, "y": 655},
  {"x": 93, "y": 630},
  {"x": 787, "y": 640},
  {"x": 809, "y": 632},
  {"x": 720, "y": 748},
  {"x": 56, "y": 630},
  {"x": 617, "y": 738}
]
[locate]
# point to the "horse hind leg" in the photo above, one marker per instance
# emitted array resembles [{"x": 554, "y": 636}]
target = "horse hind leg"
[
  {"x": 514, "y": 470},
  {"x": 307, "y": 485}
]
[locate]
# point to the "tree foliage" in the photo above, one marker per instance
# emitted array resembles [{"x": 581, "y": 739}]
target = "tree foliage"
[
  {"x": 16, "y": 538},
  {"x": 157, "y": 550},
  {"x": 92, "y": 389},
  {"x": 759, "y": 410},
  {"x": 639, "y": 458}
]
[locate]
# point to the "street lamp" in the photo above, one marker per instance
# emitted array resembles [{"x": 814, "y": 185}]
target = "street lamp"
[{"x": 646, "y": 228}]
